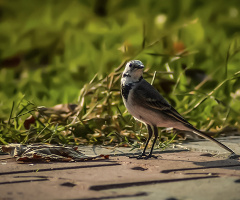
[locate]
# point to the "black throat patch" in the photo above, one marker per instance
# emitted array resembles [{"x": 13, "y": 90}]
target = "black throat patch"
[{"x": 125, "y": 90}]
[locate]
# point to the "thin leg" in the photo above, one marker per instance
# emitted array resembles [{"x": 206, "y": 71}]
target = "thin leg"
[
  {"x": 143, "y": 155},
  {"x": 155, "y": 129},
  {"x": 149, "y": 138}
]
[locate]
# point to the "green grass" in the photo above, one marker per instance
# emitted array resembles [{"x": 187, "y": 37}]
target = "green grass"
[{"x": 73, "y": 52}]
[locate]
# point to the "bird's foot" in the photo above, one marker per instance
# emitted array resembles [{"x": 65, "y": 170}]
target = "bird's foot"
[
  {"x": 234, "y": 156},
  {"x": 150, "y": 156},
  {"x": 144, "y": 156}
]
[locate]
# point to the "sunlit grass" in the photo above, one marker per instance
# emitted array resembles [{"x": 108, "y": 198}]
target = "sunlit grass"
[{"x": 60, "y": 68}]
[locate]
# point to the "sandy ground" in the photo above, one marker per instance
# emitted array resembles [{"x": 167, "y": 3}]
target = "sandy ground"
[{"x": 175, "y": 174}]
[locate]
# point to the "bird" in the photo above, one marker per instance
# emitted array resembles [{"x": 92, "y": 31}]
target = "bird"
[{"x": 148, "y": 106}]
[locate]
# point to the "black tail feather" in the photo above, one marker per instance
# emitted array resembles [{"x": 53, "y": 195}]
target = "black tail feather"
[{"x": 200, "y": 133}]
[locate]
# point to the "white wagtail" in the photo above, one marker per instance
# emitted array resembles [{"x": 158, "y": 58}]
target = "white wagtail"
[{"x": 147, "y": 105}]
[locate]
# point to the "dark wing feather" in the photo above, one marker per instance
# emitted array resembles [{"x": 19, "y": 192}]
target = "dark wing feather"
[
  {"x": 148, "y": 96},
  {"x": 173, "y": 113}
]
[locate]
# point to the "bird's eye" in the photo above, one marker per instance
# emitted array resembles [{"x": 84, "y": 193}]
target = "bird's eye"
[{"x": 130, "y": 65}]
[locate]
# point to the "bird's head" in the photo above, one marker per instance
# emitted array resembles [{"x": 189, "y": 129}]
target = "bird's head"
[{"x": 133, "y": 70}]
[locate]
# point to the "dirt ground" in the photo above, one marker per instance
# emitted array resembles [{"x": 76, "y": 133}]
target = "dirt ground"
[{"x": 173, "y": 175}]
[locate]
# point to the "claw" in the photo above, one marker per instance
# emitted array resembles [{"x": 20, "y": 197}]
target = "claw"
[
  {"x": 234, "y": 156},
  {"x": 151, "y": 156},
  {"x": 144, "y": 156}
]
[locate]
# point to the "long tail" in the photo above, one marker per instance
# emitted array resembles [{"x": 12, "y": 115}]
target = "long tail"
[
  {"x": 176, "y": 116},
  {"x": 200, "y": 133}
]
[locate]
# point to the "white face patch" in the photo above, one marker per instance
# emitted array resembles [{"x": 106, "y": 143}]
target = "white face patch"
[{"x": 132, "y": 72}]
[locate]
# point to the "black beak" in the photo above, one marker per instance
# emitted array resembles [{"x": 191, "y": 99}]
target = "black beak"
[{"x": 140, "y": 67}]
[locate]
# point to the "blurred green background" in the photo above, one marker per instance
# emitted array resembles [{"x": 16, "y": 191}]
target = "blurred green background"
[{"x": 51, "y": 50}]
